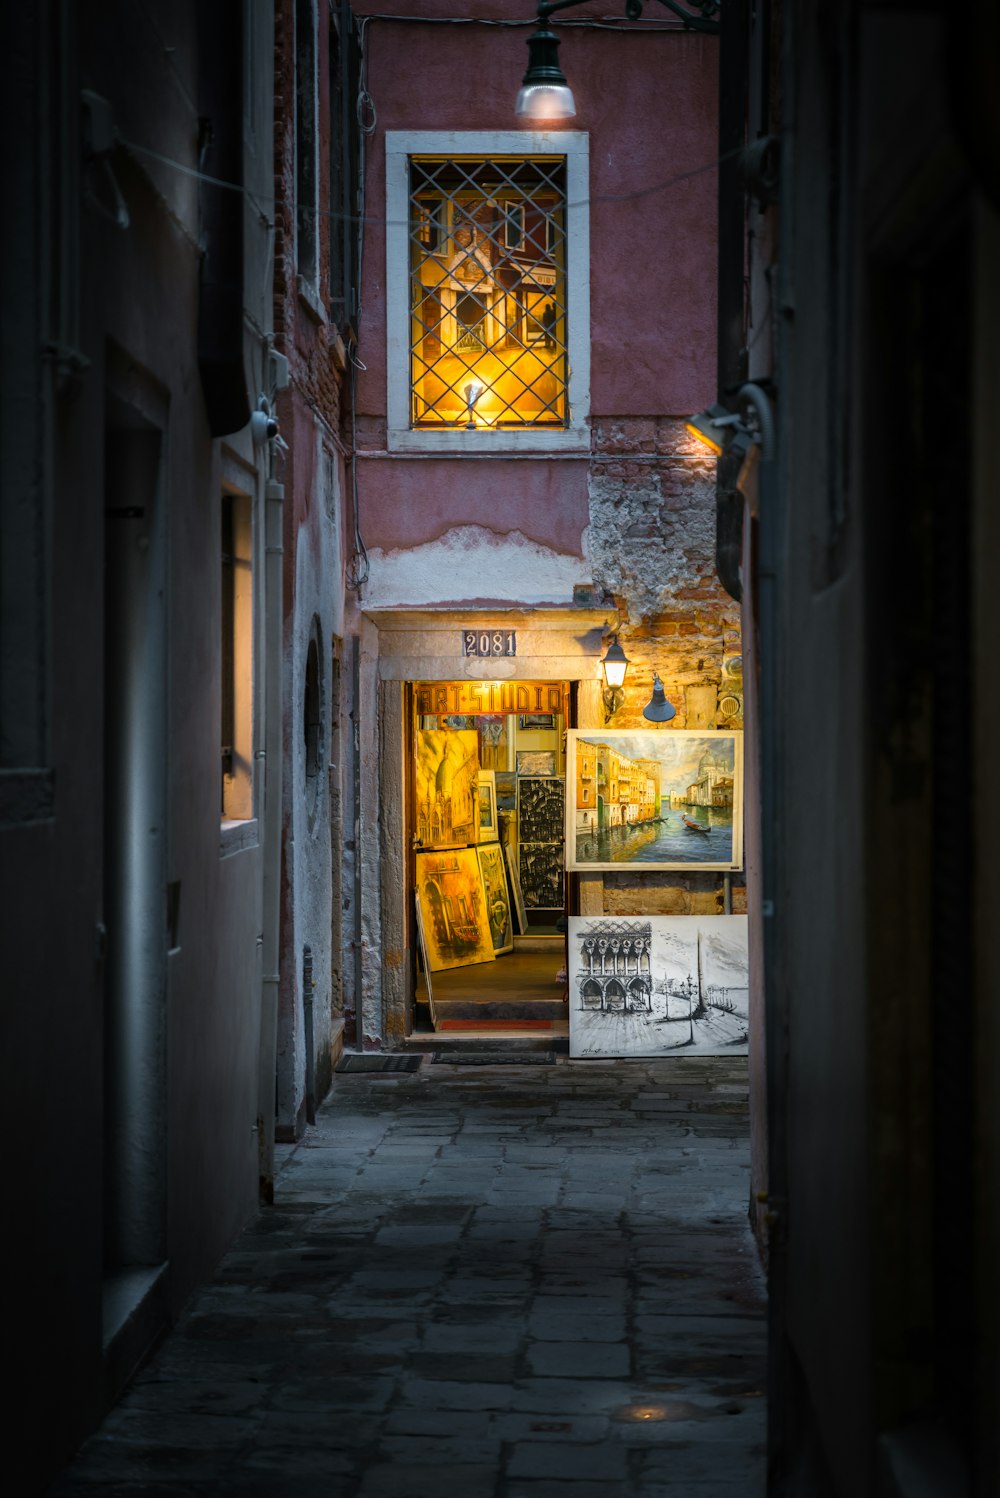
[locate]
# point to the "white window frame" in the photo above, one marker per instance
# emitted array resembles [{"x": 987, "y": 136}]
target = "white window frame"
[{"x": 400, "y": 145}]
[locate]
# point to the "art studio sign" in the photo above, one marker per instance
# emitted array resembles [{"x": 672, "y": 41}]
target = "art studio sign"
[{"x": 474, "y": 697}]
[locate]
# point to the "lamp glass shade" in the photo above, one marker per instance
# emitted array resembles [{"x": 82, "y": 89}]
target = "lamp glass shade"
[
  {"x": 545, "y": 101},
  {"x": 615, "y": 664},
  {"x": 699, "y": 428},
  {"x": 658, "y": 709},
  {"x": 704, "y": 427}
]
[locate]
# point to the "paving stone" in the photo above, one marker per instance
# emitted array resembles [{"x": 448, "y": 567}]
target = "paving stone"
[
  {"x": 555, "y": 1326},
  {"x": 580, "y": 1359},
  {"x": 550, "y": 1488},
  {"x": 397, "y": 1480},
  {"x": 567, "y": 1462},
  {"x": 469, "y": 1285}
]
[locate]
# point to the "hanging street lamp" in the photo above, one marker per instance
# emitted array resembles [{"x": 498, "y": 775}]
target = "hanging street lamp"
[{"x": 545, "y": 95}]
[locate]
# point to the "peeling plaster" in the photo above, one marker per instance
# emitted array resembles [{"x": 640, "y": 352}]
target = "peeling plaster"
[{"x": 471, "y": 563}]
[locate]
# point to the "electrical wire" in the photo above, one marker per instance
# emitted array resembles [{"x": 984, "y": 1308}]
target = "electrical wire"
[{"x": 363, "y": 219}]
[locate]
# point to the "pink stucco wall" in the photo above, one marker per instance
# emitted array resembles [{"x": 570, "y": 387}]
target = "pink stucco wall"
[
  {"x": 648, "y": 98},
  {"x": 406, "y": 502}
]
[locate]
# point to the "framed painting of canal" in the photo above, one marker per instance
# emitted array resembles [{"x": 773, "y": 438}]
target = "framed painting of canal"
[
  {"x": 655, "y": 800},
  {"x": 661, "y": 985},
  {"x": 453, "y": 913}
]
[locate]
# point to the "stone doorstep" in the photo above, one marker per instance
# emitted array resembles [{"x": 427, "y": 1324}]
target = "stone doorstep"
[{"x": 501, "y": 1041}]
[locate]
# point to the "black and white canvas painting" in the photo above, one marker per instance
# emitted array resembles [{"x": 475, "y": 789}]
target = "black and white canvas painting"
[{"x": 658, "y": 985}]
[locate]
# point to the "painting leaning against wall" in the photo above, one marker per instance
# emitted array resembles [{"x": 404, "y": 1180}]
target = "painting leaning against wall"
[
  {"x": 656, "y": 801},
  {"x": 497, "y": 902},
  {"x": 489, "y": 828},
  {"x": 658, "y": 985},
  {"x": 453, "y": 910}
]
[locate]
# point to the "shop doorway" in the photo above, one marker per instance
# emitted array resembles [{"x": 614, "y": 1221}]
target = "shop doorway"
[{"x": 486, "y": 882}]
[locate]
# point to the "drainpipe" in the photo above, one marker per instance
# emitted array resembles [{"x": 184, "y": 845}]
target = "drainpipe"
[
  {"x": 307, "y": 1021},
  {"x": 731, "y": 354},
  {"x": 274, "y": 495},
  {"x": 220, "y": 212},
  {"x": 356, "y": 813},
  {"x": 770, "y": 702}
]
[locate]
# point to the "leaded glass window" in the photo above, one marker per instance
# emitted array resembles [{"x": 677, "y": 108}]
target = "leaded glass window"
[{"x": 488, "y": 314}]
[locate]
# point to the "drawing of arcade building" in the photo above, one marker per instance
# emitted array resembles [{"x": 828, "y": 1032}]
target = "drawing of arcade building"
[{"x": 614, "y": 967}]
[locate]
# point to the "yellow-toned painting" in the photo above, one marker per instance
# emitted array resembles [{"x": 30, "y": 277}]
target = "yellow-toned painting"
[
  {"x": 497, "y": 900},
  {"x": 447, "y": 788},
  {"x": 453, "y": 909}
]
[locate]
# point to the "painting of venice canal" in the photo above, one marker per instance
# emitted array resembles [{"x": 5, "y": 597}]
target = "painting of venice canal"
[
  {"x": 658, "y": 986},
  {"x": 654, "y": 800}
]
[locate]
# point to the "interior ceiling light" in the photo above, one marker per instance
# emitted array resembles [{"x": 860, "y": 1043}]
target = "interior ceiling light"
[{"x": 545, "y": 95}]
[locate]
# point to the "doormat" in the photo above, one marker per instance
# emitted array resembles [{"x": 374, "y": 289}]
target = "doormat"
[
  {"x": 376, "y": 1061},
  {"x": 488, "y": 1058}
]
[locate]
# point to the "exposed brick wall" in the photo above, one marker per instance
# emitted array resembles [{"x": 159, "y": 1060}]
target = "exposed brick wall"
[
  {"x": 304, "y": 332},
  {"x": 652, "y": 544}
]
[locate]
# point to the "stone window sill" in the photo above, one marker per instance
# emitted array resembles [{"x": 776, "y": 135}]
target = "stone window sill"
[
  {"x": 310, "y": 301},
  {"x": 236, "y": 836}
]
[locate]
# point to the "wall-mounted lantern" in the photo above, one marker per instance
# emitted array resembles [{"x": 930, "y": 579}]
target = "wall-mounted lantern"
[{"x": 615, "y": 664}]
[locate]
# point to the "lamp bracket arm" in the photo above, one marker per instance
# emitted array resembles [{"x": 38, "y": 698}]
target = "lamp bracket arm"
[
  {"x": 547, "y": 8},
  {"x": 704, "y": 20}
]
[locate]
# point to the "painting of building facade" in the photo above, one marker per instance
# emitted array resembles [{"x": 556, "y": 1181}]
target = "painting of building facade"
[
  {"x": 658, "y": 985},
  {"x": 489, "y": 828},
  {"x": 665, "y": 800},
  {"x": 540, "y": 810},
  {"x": 453, "y": 909},
  {"x": 446, "y": 790},
  {"x": 540, "y": 871},
  {"x": 495, "y": 892}
]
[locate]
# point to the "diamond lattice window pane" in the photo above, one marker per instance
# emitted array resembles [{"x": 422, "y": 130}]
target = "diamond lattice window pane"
[{"x": 488, "y": 335}]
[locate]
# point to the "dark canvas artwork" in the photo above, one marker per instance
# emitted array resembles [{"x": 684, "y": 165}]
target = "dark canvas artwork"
[
  {"x": 540, "y": 866},
  {"x": 541, "y": 810}
]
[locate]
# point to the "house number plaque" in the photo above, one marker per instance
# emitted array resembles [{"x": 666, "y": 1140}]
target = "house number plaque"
[{"x": 489, "y": 642}]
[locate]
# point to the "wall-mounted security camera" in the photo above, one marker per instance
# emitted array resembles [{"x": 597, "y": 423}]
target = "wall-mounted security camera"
[{"x": 263, "y": 427}]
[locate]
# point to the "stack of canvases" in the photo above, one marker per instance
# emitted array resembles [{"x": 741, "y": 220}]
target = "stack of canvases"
[
  {"x": 656, "y": 985},
  {"x": 463, "y": 903}
]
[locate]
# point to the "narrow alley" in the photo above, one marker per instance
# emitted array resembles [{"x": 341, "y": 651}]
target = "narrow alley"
[{"x": 488, "y": 1280}]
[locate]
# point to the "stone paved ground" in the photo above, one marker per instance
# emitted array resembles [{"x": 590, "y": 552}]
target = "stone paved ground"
[{"x": 498, "y": 1282}]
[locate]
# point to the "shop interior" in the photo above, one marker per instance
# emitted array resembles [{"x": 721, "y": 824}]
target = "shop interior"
[{"x": 488, "y": 889}]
